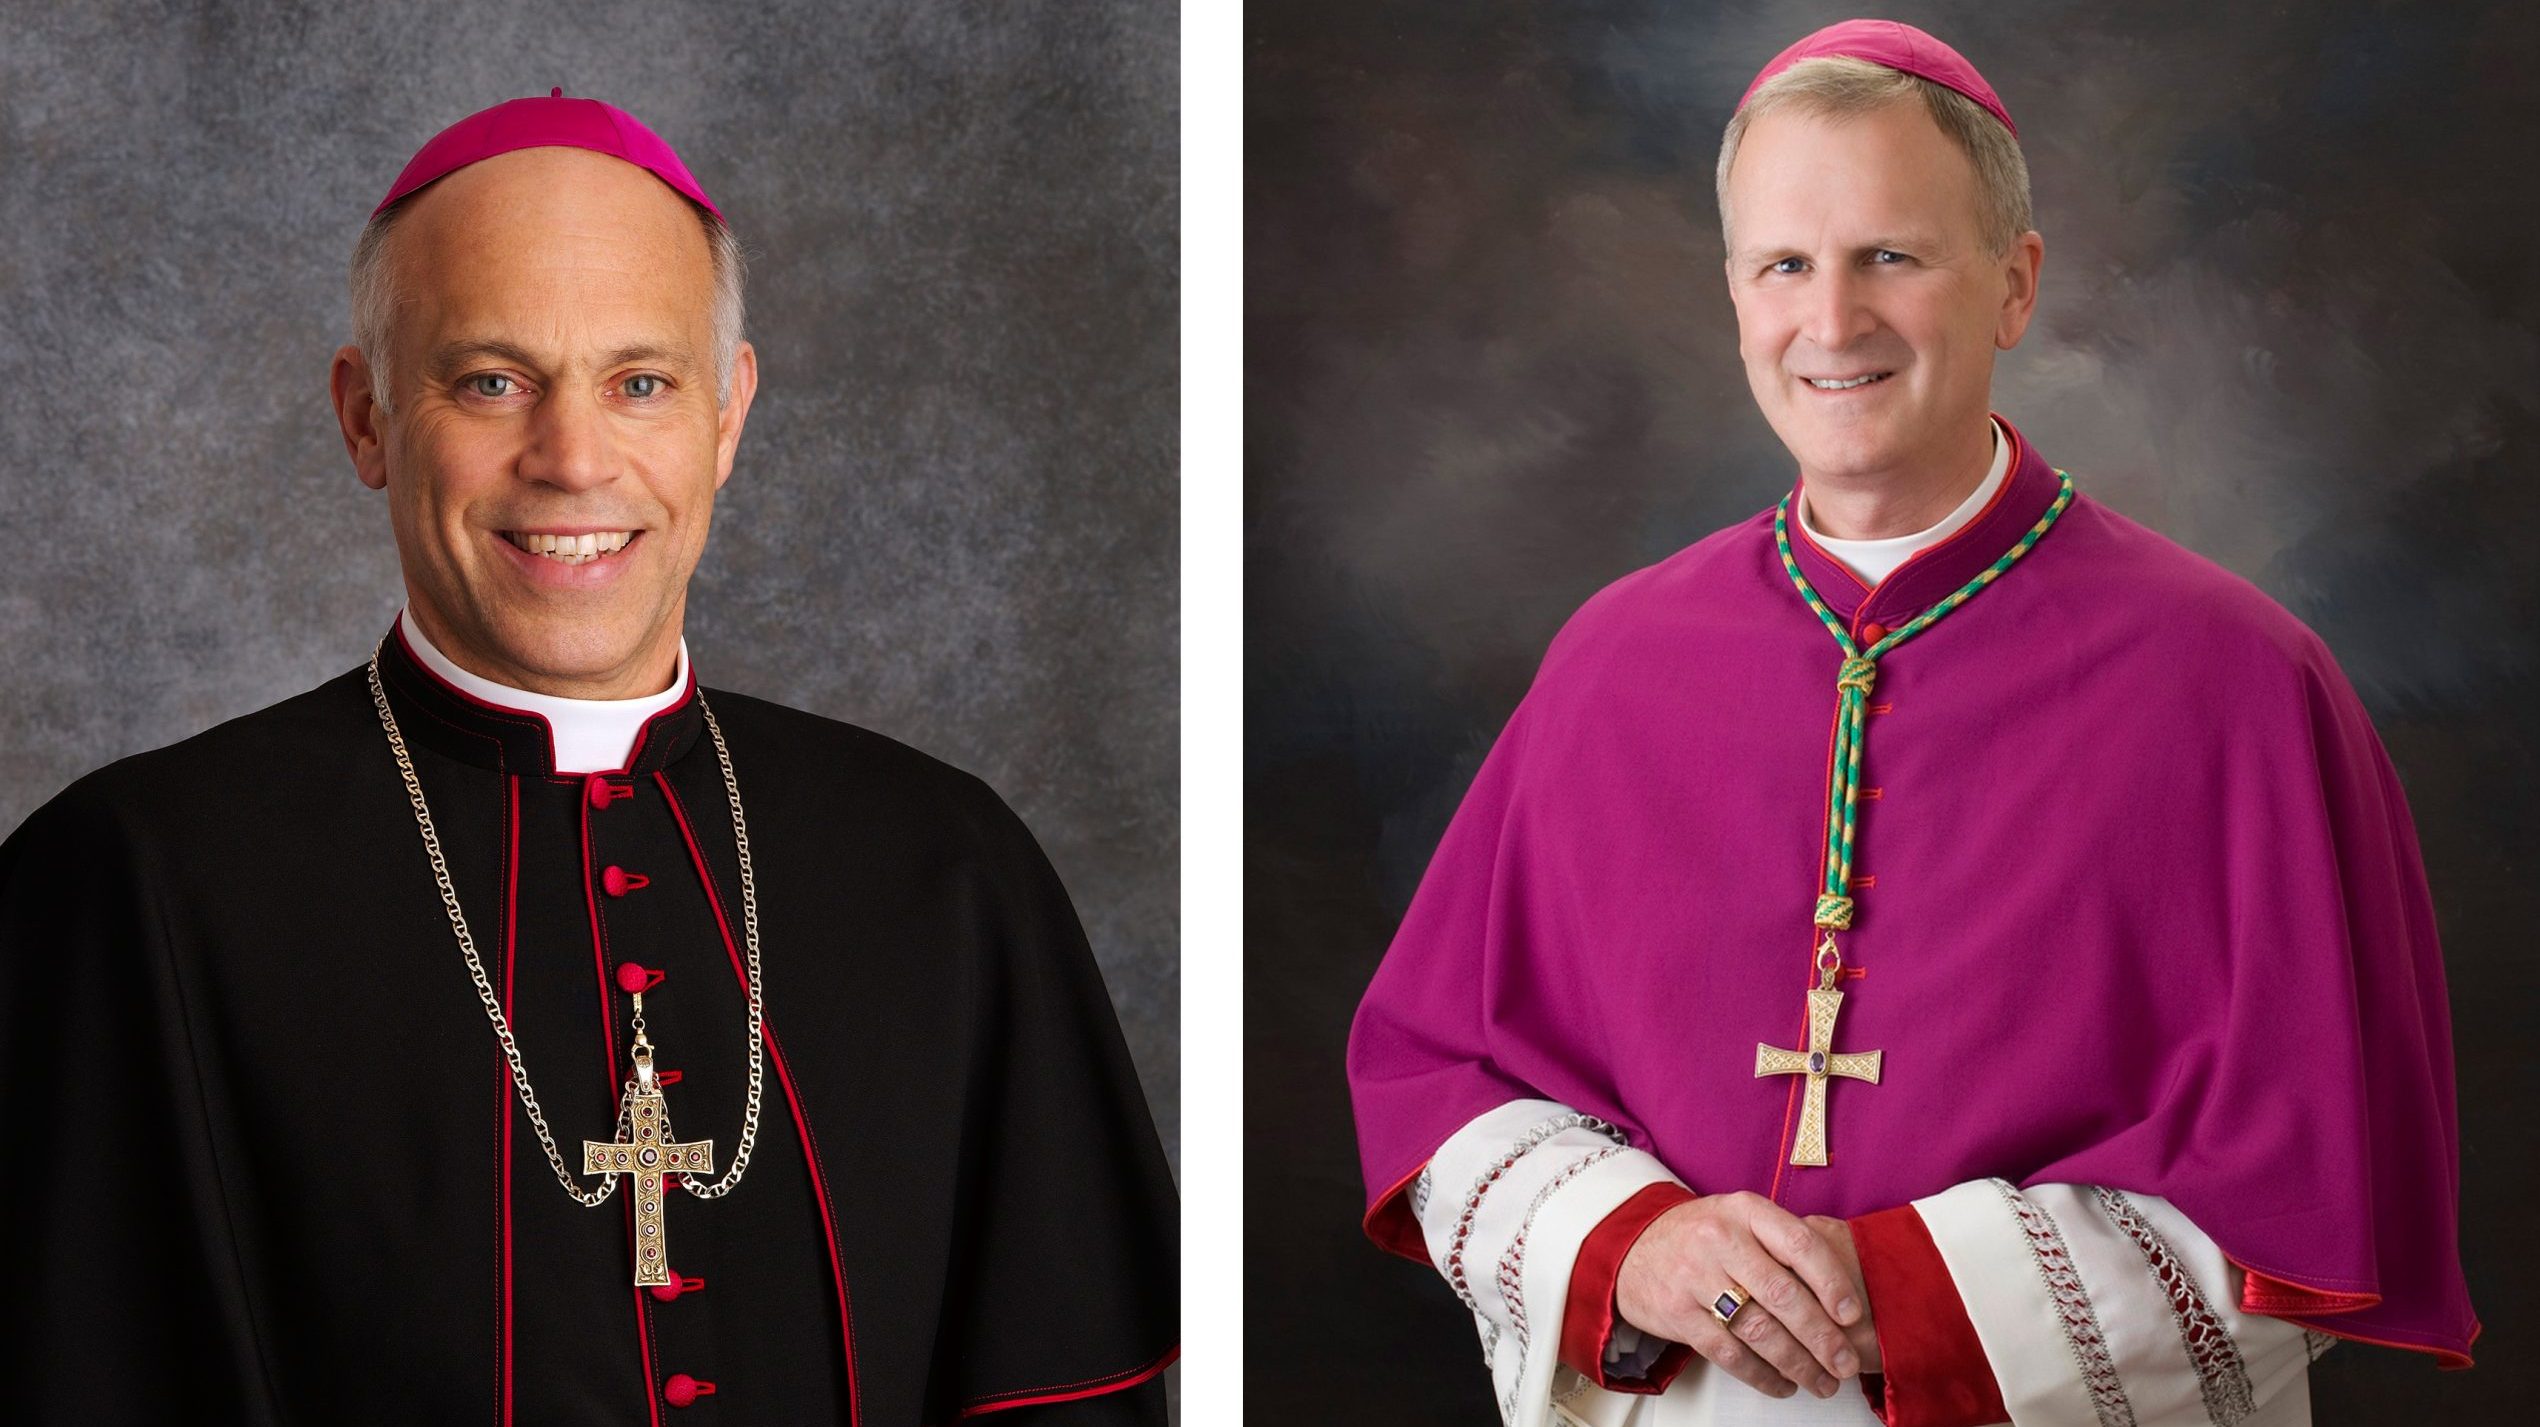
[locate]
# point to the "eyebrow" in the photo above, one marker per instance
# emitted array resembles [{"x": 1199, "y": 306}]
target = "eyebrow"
[{"x": 451, "y": 355}]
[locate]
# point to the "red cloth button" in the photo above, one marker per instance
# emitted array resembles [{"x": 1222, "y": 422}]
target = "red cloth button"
[
  {"x": 632, "y": 978},
  {"x": 683, "y": 1389},
  {"x": 602, "y": 792},
  {"x": 1873, "y": 632},
  {"x": 666, "y": 1292},
  {"x": 617, "y": 881}
]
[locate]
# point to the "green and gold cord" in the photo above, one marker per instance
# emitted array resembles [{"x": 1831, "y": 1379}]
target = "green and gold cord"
[{"x": 1853, "y": 681}]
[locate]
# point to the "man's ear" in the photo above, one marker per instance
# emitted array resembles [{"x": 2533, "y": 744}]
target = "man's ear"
[
  {"x": 357, "y": 413},
  {"x": 735, "y": 411},
  {"x": 2021, "y": 267}
]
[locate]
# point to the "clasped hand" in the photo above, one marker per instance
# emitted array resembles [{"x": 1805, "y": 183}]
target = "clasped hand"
[{"x": 1807, "y": 1322}]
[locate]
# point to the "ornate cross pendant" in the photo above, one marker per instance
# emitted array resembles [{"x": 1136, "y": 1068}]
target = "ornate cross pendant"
[
  {"x": 648, "y": 1157},
  {"x": 1816, "y": 1061}
]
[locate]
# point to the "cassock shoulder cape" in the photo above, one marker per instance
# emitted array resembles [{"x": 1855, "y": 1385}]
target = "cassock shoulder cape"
[
  {"x": 2138, "y": 904},
  {"x": 267, "y": 1166}
]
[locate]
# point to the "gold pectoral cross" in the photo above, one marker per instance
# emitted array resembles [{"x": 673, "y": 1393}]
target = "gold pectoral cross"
[
  {"x": 1816, "y": 1062},
  {"x": 648, "y": 1157}
]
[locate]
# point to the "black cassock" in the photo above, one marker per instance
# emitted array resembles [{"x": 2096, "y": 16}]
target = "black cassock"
[{"x": 264, "y": 1162}]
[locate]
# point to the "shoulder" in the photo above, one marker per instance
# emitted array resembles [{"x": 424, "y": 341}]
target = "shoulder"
[
  {"x": 215, "y": 774},
  {"x": 836, "y": 754},
  {"x": 1661, "y": 599},
  {"x": 2183, "y": 605},
  {"x": 809, "y": 763}
]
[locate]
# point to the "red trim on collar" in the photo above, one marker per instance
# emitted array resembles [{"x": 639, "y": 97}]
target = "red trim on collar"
[
  {"x": 2010, "y": 477},
  {"x": 2010, "y": 468},
  {"x": 634, "y": 751},
  {"x": 1799, "y": 526},
  {"x": 1091, "y": 1387},
  {"x": 397, "y": 631}
]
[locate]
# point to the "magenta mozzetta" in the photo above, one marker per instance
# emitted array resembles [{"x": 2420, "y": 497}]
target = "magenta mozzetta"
[{"x": 2172, "y": 938}]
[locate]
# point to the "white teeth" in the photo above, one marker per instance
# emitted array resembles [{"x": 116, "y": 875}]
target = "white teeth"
[
  {"x": 1822, "y": 385},
  {"x": 574, "y": 549}
]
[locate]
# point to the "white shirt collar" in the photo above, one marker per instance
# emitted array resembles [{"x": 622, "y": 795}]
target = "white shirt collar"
[
  {"x": 591, "y": 735},
  {"x": 1874, "y": 560}
]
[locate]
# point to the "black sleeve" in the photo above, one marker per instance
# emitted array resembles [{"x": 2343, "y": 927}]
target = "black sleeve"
[
  {"x": 124, "y": 1297},
  {"x": 1063, "y": 1304}
]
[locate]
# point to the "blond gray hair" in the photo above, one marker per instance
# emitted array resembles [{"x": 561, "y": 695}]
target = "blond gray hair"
[
  {"x": 375, "y": 299},
  {"x": 1836, "y": 87}
]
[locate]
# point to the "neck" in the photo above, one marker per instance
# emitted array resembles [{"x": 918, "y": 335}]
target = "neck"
[
  {"x": 653, "y": 670},
  {"x": 1901, "y": 502}
]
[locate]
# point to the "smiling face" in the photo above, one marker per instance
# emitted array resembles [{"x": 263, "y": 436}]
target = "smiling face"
[
  {"x": 1856, "y": 253},
  {"x": 555, "y": 441}
]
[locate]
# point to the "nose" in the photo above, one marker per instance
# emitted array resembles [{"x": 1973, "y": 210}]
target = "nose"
[
  {"x": 1836, "y": 316},
  {"x": 570, "y": 445}
]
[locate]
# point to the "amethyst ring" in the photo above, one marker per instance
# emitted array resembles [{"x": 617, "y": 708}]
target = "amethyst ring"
[{"x": 1726, "y": 1305}]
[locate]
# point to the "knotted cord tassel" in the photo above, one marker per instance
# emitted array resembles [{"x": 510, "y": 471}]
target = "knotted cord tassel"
[{"x": 1834, "y": 913}]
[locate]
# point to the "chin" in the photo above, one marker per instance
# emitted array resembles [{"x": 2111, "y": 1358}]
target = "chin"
[{"x": 1842, "y": 453}]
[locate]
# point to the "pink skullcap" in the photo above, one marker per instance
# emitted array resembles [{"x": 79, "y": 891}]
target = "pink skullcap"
[
  {"x": 552, "y": 122},
  {"x": 1898, "y": 46}
]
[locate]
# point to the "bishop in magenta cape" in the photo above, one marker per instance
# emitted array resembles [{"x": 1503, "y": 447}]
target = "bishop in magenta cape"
[{"x": 2139, "y": 906}]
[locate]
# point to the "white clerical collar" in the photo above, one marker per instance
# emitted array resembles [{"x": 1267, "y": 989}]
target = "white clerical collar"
[
  {"x": 1872, "y": 560},
  {"x": 591, "y": 735}
]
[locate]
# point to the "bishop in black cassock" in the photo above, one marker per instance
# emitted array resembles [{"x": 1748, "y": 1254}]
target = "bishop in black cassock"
[{"x": 269, "y": 1163}]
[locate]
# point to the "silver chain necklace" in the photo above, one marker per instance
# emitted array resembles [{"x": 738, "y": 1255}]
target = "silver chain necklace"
[{"x": 641, "y": 1097}]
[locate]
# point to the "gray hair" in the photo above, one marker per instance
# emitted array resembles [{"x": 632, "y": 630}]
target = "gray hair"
[
  {"x": 1836, "y": 86},
  {"x": 375, "y": 300}
]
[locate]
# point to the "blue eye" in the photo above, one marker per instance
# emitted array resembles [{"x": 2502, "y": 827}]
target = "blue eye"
[
  {"x": 479, "y": 384},
  {"x": 1887, "y": 253},
  {"x": 643, "y": 388},
  {"x": 1777, "y": 267}
]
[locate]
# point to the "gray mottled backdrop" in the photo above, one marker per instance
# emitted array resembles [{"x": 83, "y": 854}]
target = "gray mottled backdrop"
[
  {"x": 2287, "y": 318},
  {"x": 954, "y": 516}
]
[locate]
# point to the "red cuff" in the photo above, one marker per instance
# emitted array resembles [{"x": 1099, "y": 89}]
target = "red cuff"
[
  {"x": 1932, "y": 1371},
  {"x": 1587, "y": 1324}
]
